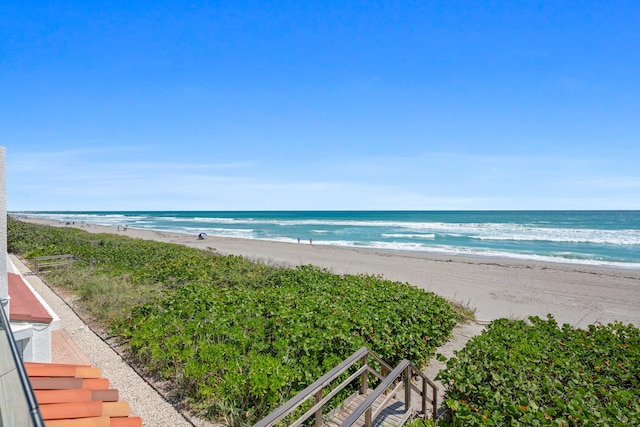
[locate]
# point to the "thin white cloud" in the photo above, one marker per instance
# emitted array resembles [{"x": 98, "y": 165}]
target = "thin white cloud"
[
  {"x": 83, "y": 179},
  {"x": 616, "y": 182}
]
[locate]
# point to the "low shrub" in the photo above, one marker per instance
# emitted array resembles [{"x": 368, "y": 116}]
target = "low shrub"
[{"x": 539, "y": 374}]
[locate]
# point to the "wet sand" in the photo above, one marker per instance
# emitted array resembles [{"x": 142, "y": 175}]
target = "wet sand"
[{"x": 494, "y": 288}]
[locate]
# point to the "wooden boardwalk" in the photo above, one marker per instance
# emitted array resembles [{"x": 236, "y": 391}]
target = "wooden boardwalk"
[
  {"x": 401, "y": 393},
  {"x": 392, "y": 415}
]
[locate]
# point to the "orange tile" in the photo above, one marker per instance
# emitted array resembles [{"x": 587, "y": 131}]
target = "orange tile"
[
  {"x": 80, "y": 422},
  {"x": 126, "y": 422},
  {"x": 63, "y": 396},
  {"x": 110, "y": 395},
  {"x": 115, "y": 409},
  {"x": 61, "y": 370},
  {"x": 51, "y": 371},
  {"x": 57, "y": 411},
  {"x": 87, "y": 372},
  {"x": 95, "y": 383},
  {"x": 56, "y": 383},
  {"x": 43, "y": 364}
]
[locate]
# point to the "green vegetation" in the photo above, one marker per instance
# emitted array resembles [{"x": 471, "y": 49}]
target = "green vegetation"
[
  {"x": 539, "y": 374},
  {"x": 235, "y": 338}
]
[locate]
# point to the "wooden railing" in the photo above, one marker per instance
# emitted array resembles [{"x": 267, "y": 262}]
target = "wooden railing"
[
  {"x": 405, "y": 371},
  {"x": 388, "y": 377},
  {"x": 42, "y": 262}
]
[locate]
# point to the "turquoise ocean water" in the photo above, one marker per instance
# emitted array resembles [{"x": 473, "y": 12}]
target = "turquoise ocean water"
[{"x": 584, "y": 237}]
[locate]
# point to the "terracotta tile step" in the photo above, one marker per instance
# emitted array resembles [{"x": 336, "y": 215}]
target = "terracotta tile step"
[
  {"x": 62, "y": 371},
  {"x": 56, "y": 411},
  {"x": 44, "y": 397},
  {"x": 44, "y": 364},
  {"x": 107, "y": 395},
  {"x": 116, "y": 409},
  {"x": 96, "y": 422},
  {"x": 62, "y": 383},
  {"x": 89, "y": 409},
  {"x": 75, "y": 395},
  {"x": 95, "y": 383},
  {"x": 71, "y": 395},
  {"x": 80, "y": 422},
  {"x": 126, "y": 422},
  {"x": 55, "y": 383}
]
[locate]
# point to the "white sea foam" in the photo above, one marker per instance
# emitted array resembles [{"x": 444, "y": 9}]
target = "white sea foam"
[
  {"x": 427, "y": 236},
  {"x": 107, "y": 219},
  {"x": 222, "y": 232},
  {"x": 479, "y": 231}
]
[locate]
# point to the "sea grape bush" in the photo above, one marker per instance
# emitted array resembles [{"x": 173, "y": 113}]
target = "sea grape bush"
[
  {"x": 257, "y": 347},
  {"x": 235, "y": 338},
  {"x": 539, "y": 374}
]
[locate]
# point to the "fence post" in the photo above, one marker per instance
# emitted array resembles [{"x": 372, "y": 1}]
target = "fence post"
[
  {"x": 363, "y": 381},
  {"x": 407, "y": 388},
  {"x": 367, "y": 417},
  {"x": 435, "y": 403},
  {"x": 319, "y": 411},
  {"x": 424, "y": 397}
]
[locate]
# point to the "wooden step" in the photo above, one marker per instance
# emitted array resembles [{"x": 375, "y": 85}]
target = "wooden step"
[{"x": 393, "y": 413}]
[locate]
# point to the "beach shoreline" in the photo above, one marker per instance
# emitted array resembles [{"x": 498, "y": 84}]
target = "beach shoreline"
[{"x": 576, "y": 294}]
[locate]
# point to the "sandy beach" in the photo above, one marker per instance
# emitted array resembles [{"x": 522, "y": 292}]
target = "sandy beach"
[{"x": 494, "y": 288}]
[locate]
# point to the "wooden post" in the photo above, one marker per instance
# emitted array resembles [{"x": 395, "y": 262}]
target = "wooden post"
[
  {"x": 435, "y": 403},
  {"x": 363, "y": 381},
  {"x": 424, "y": 397},
  {"x": 319, "y": 411},
  {"x": 367, "y": 417},
  {"x": 407, "y": 388}
]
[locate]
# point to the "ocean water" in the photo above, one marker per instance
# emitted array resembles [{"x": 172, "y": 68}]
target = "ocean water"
[{"x": 610, "y": 238}]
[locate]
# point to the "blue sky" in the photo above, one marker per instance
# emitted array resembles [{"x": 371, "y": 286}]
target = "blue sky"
[{"x": 256, "y": 105}]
